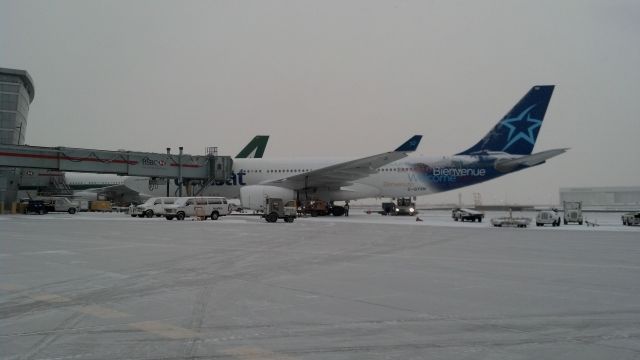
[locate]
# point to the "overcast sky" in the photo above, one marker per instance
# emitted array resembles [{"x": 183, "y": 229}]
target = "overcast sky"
[{"x": 336, "y": 78}]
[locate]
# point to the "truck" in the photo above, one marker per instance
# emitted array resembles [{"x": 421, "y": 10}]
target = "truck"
[
  {"x": 550, "y": 217},
  {"x": 276, "y": 208},
  {"x": 631, "y": 218},
  {"x": 403, "y": 206},
  {"x": 572, "y": 212},
  {"x": 315, "y": 208},
  {"x": 459, "y": 214}
]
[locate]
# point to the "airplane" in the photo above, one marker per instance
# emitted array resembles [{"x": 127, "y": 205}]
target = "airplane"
[
  {"x": 123, "y": 188},
  {"x": 505, "y": 149}
]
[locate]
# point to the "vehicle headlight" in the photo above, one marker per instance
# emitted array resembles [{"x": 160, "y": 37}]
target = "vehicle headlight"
[
  {"x": 397, "y": 210},
  {"x": 412, "y": 209}
]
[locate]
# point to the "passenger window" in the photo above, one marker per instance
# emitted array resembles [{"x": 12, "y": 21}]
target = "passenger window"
[{"x": 158, "y": 202}]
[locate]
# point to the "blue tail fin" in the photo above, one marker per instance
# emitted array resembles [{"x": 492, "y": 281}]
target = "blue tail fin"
[
  {"x": 517, "y": 132},
  {"x": 410, "y": 145}
]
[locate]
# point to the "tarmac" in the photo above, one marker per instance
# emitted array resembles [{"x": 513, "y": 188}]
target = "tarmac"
[{"x": 108, "y": 286}]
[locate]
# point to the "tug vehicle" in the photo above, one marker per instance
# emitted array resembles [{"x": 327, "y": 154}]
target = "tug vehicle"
[
  {"x": 632, "y": 218},
  {"x": 573, "y": 212},
  {"x": 466, "y": 215},
  {"x": 550, "y": 217},
  {"x": 276, "y": 208}
]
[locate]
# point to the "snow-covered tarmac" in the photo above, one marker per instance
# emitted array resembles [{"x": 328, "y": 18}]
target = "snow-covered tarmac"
[{"x": 108, "y": 286}]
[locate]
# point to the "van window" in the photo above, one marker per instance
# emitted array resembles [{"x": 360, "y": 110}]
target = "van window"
[
  {"x": 158, "y": 202},
  {"x": 189, "y": 202},
  {"x": 201, "y": 201},
  {"x": 169, "y": 201},
  {"x": 215, "y": 201}
]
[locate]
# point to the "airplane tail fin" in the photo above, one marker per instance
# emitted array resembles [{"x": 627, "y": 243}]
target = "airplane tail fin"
[
  {"x": 518, "y": 130},
  {"x": 410, "y": 145},
  {"x": 255, "y": 148}
]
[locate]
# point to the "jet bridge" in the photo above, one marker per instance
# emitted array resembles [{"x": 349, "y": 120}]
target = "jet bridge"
[{"x": 156, "y": 165}]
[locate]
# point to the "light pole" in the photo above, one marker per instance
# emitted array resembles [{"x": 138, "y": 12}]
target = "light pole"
[
  {"x": 180, "y": 172},
  {"x": 168, "y": 156}
]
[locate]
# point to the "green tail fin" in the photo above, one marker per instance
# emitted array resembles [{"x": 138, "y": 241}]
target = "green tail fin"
[{"x": 255, "y": 148}]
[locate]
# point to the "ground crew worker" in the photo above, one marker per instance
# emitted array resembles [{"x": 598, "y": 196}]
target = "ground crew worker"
[{"x": 346, "y": 208}]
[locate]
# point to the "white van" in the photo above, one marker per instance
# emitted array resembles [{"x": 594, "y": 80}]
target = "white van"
[
  {"x": 153, "y": 206},
  {"x": 59, "y": 204},
  {"x": 206, "y": 206}
]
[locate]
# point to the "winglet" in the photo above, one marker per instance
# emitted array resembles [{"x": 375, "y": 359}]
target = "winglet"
[{"x": 411, "y": 144}]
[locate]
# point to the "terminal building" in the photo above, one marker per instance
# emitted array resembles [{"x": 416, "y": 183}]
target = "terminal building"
[
  {"x": 16, "y": 94},
  {"x": 604, "y": 198}
]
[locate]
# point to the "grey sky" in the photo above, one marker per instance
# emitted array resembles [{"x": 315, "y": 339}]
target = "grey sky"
[{"x": 336, "y": 78}]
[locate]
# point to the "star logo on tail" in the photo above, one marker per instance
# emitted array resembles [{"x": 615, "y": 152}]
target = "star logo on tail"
[{"x": 521, "y": 127}]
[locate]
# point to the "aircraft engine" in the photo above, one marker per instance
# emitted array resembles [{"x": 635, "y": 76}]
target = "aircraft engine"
[{"x": 252, "y": 196}]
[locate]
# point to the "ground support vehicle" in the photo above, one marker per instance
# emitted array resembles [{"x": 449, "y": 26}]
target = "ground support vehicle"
[
  {"x": 404, "y": 206},
  {"x": 235, "y": 208},
  {"x": 211, "y": 207},
  {"x": 35, "y": 207},
  {"x": 314, "y": 208},
  {"x": 59, "y": 204},
  {"x": 632, "y": 218},
  {"x": 100, "y": 206},
  {"x": 573, "y": 212},
  {"x": 388, "y": 208},
  {"x": 152, "y": 207},
  {"x": 467, "y": 215},
  {"x": 521, "y": 222},
  {"x": 550, "y": 217},
  {"x": 276, "y": 208}
]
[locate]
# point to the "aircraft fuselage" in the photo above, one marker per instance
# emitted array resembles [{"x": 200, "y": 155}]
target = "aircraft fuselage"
[{"x": 411, "y": 176}]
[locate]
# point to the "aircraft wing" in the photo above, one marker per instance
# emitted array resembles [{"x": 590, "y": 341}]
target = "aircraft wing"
[
  {"x": 507, "y": 165},
  {"x": 344, "y": 173},
  {"x": 116, "y": 192}
]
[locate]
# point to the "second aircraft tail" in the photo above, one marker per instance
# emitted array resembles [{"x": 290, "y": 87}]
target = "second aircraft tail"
[{"x": 517, "y": 132}]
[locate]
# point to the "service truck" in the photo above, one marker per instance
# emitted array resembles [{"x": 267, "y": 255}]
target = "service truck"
[
  {"x": 550, "y": 217},
  {"x": 632, "y": 218},
  {"x": 572, "y": 212},
  {"x": 276, "y": 208},
  {"x": 458, "y": 214},
  {"x": 403, "y": 206}
]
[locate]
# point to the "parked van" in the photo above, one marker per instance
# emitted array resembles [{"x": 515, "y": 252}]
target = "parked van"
[
  {"x": 59, "y": 204},
  {"x": 205, "y": 206},
  {"x": 153, "y": 206}
]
